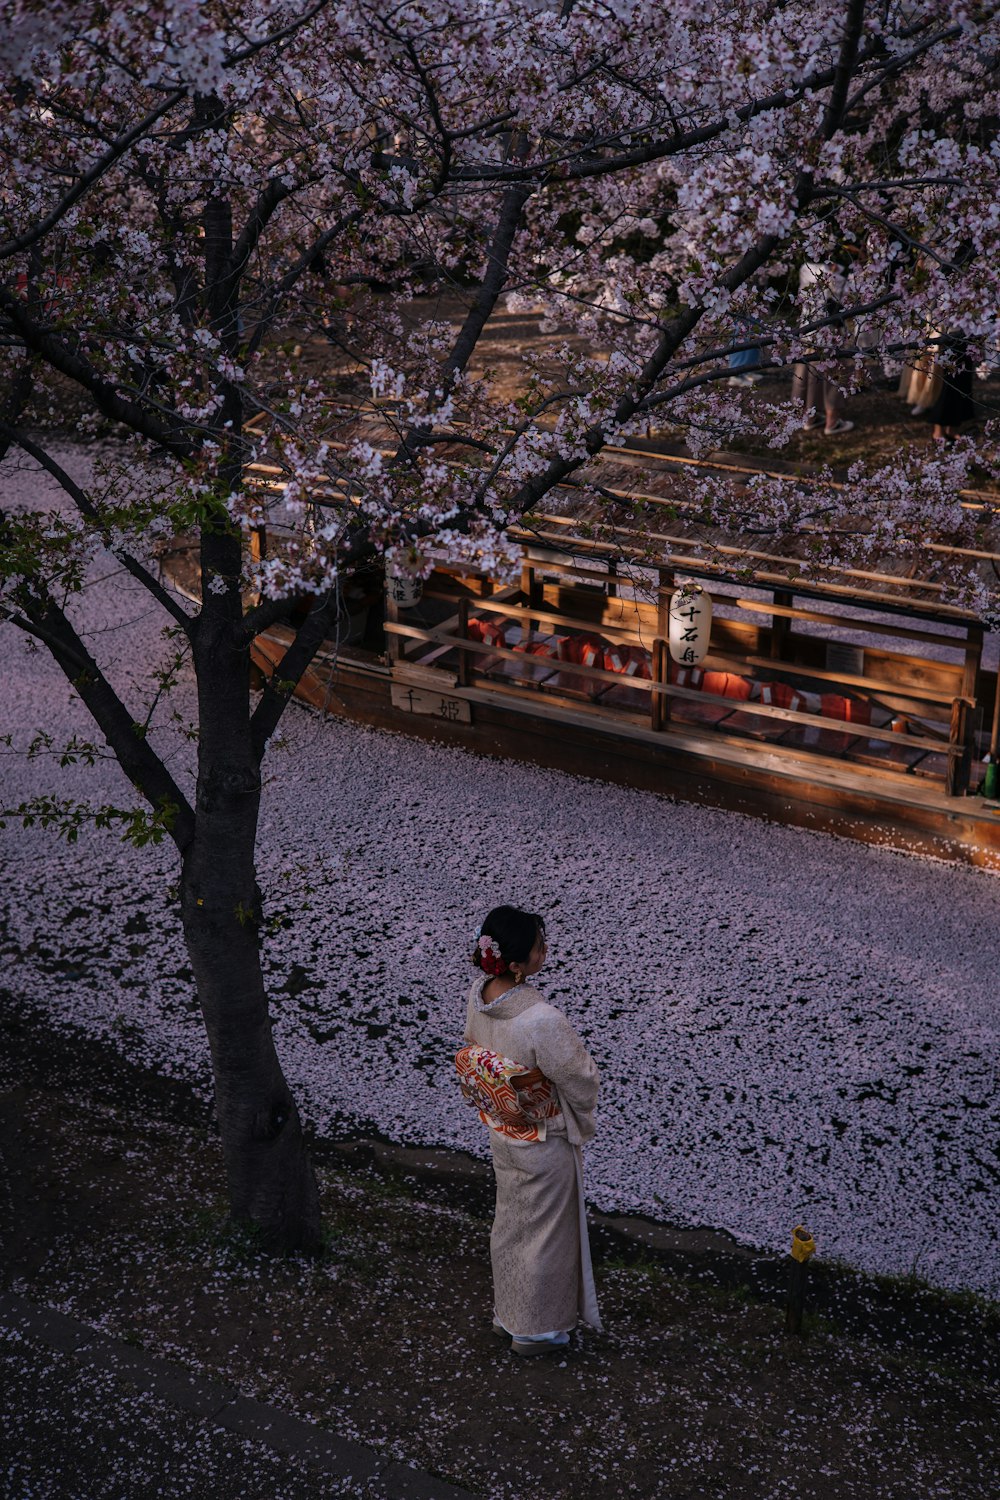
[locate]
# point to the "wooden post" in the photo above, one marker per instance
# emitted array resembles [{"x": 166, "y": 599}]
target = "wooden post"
[
  {"x": 959, "y": 748},
  {"x": 973, "y": 657},
  {"x": 803, "y": 1247},
  {"x": 612, "y": 579},
  {"x": 781, "y": 626},
  {"x": 798, "y": 1270},
  {"x": 663, "y": 593},
  {"x": 464, "y": 665},
  {"x": 990, "y": 787},
  {"x": 529, "y": 588},
  {"x": 258, "y": 550},
  {"x": 659, "y": 708},
  {"x": 970, "y": 690},
  {"x": 394, "y": 643}
]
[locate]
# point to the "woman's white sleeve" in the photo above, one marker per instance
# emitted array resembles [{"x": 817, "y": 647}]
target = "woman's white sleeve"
[{"x": 561, "y": 1055}]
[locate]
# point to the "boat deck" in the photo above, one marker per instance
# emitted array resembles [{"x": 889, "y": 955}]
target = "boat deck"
[{"x": 803, "y": 787}]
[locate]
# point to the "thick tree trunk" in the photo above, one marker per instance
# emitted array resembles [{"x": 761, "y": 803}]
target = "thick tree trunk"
[
  {"x": 270, "y": 1178},
  {"x": 271, "y": 1181}
]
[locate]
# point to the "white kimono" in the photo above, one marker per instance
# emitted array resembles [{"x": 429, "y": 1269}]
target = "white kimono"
[{"x": 543, "y": 1281}]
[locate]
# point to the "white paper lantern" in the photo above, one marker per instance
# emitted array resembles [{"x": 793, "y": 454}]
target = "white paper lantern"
[
  {"x": 689, "y": 627},
  {"x": 404, "y": 590}
]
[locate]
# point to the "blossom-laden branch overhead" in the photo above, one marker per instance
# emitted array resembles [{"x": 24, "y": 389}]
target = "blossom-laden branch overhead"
[{"x": 195, "y": 193}]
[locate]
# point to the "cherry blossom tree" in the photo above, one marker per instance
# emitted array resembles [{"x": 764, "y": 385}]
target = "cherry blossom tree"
[{"x": 190, "y": 191}]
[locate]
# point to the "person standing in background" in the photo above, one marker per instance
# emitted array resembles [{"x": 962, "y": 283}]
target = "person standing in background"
[
  {"x": 535, "y": 1085},
  {"x": 820, "y": 289}
]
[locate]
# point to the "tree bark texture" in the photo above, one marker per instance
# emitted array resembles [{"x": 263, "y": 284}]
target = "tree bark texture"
[
  {"x": 271, "y": 1182},
  {"x": 269, "y": 1175}
]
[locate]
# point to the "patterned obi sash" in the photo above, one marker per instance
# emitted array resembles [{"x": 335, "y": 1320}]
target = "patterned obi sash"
[{"x": 511, "y": 1099}]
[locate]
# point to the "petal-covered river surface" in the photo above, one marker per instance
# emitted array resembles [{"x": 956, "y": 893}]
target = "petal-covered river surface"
[{"x": 789, "y": 1026}]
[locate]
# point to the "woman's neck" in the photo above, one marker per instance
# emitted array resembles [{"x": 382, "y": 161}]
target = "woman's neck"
[{"x": 499, "y": 985}]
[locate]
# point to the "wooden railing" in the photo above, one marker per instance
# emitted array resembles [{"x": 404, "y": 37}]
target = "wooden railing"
[
  {"x": 934, "y": 700},
  {"x": 941, "y": 693},
  {"x": 957, "y": 746}
]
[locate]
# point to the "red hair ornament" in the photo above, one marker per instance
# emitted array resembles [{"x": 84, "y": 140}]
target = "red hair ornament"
[{"x": 488, "y": 956}]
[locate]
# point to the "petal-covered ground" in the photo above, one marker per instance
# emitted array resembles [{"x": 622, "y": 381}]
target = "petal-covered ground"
[{"x": 789, "y": 1026}]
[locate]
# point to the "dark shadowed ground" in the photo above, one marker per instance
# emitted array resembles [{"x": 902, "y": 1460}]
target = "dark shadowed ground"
[{"x": 112, "y": 1212}]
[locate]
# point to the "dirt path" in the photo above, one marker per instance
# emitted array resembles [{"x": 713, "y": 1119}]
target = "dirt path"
[{"x": 112, "y": 1215}]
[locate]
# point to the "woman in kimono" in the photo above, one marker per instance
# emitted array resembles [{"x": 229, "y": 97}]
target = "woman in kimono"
[{"x": 542, "y": 1276}]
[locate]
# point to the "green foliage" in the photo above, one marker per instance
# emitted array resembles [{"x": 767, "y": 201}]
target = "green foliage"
[
  {"x": 73, "y": 752},
  {"x": 27, "y": 538},
  {"x": 139, "y": 826}
]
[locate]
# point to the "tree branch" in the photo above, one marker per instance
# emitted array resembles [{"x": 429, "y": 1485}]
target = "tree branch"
[
  {"x": 896, "y": 63},
  {"x": 847, "y": 63},
  {"x": 268, "y": 201},
  {"x": 273, "y": 37},
  {"x": 90, "y": 512},
  {"x": 280, "y": 289},
  {"x": 40, "y": 341},
  {"x": 896, "y": 230},
  {"x": 498, "y": 256},
  {"x": 287, "y": 674},
  {"x": 672, "y": 337},
  {"x": 266, "y": 613},
  {"x": 492, "y": 284},
  {"x": 103, "y": 164},
  {"x": 679, "y": 141},
  {"x": 63, "y": 654},
  {"x": 766, "y": 340},
  {"x": 131, "y": 749}
]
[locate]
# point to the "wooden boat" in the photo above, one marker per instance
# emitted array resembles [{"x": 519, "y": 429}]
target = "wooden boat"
[
  {"x": 907, "y": 778},
  {"x": 858, "y": 705}
]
